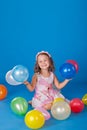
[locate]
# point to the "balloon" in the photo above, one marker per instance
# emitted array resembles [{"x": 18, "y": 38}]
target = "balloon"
[
  {"x": 73, "y": 62},
  {"x": 34, "y": 119},
  {"x": 44, "y": 112},
  {"x": 57, "y": 100},
  {"x": 19, "y": 106},
  {"x": 84, "y": 99},
  {"x": 76, "y": 105},
  {"x": 20, "y": 73},
  {"x": 3, "y": 91},
  {"x": 10, "y": 80},
  {"x": 60, "y": 110},
  {"x": 67, "y": 70}
]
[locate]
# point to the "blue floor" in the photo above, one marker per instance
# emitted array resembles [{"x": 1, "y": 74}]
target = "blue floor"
[{"x": 11, "y": 121}]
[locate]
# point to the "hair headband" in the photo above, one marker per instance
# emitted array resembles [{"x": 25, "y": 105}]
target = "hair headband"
[{"x": 41, "y": 53}]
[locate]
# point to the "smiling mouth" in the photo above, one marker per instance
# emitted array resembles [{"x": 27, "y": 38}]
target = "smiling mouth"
[{"x": 44, "y": 66}]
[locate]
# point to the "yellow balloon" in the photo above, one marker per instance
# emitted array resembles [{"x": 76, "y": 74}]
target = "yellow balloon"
[
  {"x": 84, "y": 99},
  {"x": 34, "y": 119},
  {"x": 57, "y": 100}
]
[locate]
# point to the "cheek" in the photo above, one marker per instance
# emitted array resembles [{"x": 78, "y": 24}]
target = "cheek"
[
  {"x": 39, "y": 64},
  {"x": 48, "y": 63}
]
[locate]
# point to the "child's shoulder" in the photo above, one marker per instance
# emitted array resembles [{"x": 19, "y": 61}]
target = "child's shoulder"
[
  {"x": 52, "y": 74},
  {"x": 36, "y": 74}
]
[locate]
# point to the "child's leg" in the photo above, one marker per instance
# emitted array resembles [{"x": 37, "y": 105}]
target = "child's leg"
[
  {"x": 67, "y": 100},
  {"x": 60, "y": 95},
  {"x": 44, "y": 112}
]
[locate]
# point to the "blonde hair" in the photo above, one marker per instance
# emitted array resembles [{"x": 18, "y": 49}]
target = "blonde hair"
[{"x": 51, "y": 66}]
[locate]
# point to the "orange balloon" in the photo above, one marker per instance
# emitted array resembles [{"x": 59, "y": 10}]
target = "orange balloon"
[{"x": 3, "y": 91}]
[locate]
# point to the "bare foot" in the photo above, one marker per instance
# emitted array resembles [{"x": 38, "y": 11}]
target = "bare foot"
[{"x": 30, "y": 102}]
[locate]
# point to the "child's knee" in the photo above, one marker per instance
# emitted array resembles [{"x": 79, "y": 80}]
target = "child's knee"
[{"x": 48, "y": 106}]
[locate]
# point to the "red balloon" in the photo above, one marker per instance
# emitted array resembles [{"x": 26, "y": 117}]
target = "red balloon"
[
  {"x": 76, "y": 105},
  {"x": 3, "y": 91},
  {"x": 74, "y": 63}
]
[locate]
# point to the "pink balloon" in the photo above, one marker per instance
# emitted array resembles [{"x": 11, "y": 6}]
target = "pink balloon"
[
  {"x": 73, "y": 62},
  {"x": 44, "y": 112}
]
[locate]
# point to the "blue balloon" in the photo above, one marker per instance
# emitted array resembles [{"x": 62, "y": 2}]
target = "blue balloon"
[
  {"x": 20, "y": 73},
  {"x": 67, "y": 70}
]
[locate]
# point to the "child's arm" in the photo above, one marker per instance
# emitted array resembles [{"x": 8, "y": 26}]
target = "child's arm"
[
  {"x": 31, "y": 86},
  {"x": 58, "y": 84}
]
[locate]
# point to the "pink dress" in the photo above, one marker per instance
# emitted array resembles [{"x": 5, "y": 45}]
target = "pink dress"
[{"x": 44, "y": 91}]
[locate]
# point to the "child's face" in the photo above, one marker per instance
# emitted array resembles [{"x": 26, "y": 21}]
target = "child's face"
[{"x": 43, "y": 61}]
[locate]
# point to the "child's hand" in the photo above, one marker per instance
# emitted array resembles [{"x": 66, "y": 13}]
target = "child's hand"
[
  {"x": 26, "y": 82},
  {"x": 68, "y": 80}
]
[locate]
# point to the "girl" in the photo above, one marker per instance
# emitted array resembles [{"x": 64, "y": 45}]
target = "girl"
[{"x": 43, "y": 81}]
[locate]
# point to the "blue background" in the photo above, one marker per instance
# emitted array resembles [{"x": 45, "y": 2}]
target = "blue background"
[{"x": 29, "y": 26}]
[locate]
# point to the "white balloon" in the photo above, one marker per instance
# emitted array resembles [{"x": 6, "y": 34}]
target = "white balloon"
[
  {"x": 10, "y": 80},
  {"x": 60, "y": 110}
]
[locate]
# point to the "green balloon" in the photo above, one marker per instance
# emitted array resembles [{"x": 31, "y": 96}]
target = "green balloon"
[{"x": 19, "y": 106}]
